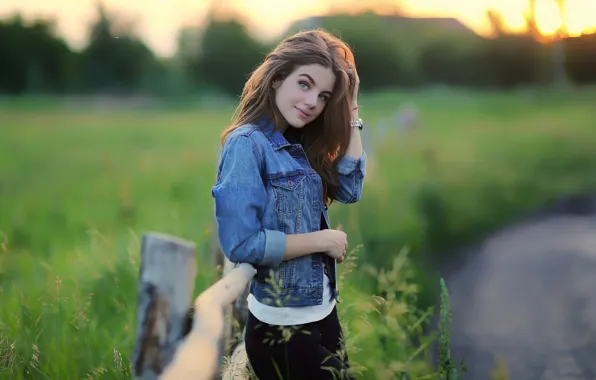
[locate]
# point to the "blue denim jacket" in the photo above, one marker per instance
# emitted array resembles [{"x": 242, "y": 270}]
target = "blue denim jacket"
[{"x": 266, "y": 189}]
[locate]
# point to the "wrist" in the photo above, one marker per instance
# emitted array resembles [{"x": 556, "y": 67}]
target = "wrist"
[{"x": 320, "y": 242}]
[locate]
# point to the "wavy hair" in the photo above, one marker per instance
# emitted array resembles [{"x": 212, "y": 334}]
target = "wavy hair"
[{"x": 326, "y": 138}]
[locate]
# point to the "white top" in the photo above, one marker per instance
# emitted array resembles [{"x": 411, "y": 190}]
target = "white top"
[{"x": 286, "y": 316}]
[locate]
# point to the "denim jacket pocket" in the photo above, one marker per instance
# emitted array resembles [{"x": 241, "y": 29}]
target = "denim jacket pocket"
[
  {"x": 275, "y": 281},
  {"x": 288, "y": 191}
]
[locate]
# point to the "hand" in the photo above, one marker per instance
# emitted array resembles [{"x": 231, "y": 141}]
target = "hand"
[{"x": 335, "y": 243}]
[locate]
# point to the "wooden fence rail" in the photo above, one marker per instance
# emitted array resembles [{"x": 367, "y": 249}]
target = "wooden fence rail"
[{"x": 166, "y": 347}]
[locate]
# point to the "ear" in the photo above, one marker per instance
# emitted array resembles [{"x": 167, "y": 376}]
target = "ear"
[{"x": 275, "y": 84}]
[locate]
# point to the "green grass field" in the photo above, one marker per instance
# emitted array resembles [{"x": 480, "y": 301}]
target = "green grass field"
[{"x": 78, "y": 188}]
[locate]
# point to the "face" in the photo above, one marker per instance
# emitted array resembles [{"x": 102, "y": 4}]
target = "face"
[{"x": 303, "y": 95}]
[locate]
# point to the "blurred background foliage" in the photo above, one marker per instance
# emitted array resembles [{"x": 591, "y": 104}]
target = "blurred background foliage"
[{"x": 391, "y": 51}]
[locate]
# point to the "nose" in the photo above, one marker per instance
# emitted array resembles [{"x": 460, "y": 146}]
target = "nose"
[{"x": 311, "y": 99}]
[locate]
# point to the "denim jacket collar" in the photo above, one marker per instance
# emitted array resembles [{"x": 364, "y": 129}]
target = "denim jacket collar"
[{"x": 276, "y": 138}]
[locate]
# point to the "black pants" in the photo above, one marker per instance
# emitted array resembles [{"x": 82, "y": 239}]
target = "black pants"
[{"x": 311, "y": 351}]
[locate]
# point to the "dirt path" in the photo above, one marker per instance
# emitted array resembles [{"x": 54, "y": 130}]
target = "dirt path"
[{"x": 529, "y": 296}]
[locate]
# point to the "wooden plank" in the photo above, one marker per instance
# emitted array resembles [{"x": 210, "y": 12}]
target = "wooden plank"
[
  {"x": 166, "y": 284},
  {"x": 240, "y": 311},
  {"x": 197, "y": 357},
  {"x": 235, "y": 317},
  {"x": 235, "y": 314},
  {"x": 237, "y": 367}
]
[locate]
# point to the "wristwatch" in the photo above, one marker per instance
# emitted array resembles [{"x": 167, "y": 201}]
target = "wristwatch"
[{"x": 357, "y": 123}]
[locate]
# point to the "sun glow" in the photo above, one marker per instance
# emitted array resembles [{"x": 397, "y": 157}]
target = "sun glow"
[{"x": 160, "y": 20}]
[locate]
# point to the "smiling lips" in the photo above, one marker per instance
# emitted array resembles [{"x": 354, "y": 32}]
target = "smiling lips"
[{"x": 302, "y": 114}]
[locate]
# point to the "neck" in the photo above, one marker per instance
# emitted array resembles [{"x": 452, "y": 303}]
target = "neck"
[{"x": 282, "y": 126}]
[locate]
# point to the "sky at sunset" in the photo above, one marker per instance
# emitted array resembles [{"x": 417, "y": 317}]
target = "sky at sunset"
[{"x": 158, "y": 21}]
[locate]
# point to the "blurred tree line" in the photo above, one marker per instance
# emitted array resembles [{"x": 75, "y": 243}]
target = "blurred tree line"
[{"x": 391, "y": 51}]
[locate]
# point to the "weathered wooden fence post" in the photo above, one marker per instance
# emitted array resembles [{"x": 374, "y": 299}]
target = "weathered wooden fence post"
[
  {"x": 166, "y": 284},
  {"x": 167, "y": 274}
]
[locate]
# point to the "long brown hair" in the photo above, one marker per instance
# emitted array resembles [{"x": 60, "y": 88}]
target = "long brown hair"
[{"x": 326, "y": 138}]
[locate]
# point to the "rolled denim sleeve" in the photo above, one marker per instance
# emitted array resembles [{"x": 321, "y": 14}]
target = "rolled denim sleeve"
[
  {"x": 240, "y": 198},
  {"x": 351, "y": 178}
]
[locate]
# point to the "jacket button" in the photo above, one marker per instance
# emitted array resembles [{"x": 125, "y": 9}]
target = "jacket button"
[{"x": 290, "y": 183}]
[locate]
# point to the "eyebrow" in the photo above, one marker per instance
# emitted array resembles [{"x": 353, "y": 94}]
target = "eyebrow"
[{"x": 313, "y": 81}]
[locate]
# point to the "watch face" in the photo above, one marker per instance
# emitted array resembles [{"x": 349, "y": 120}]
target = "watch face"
[{"x": 356, "y": 123}]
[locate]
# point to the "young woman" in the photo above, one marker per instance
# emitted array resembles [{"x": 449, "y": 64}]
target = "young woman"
[{"x": 293, "y": 149}]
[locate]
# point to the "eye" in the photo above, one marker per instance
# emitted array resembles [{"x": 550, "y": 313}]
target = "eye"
[
  {"x": 304, "y": 85},
  {"x": 325, "y": 98}
]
